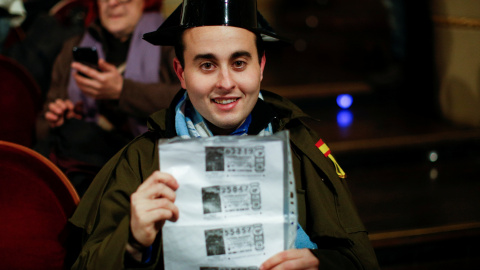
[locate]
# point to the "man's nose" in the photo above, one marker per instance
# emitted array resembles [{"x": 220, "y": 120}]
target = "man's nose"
[
  {"x": 112, "y": 2},
  {"x": 225, "y": 79}
]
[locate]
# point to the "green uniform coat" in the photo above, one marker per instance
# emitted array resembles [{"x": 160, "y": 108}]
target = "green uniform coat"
[{"x": 326, "y": 211}]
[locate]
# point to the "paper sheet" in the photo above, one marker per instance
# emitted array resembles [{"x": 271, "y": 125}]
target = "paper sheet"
[{"x": 236, "y": 200}]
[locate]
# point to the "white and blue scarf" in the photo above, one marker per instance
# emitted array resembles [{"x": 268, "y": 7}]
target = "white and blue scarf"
[{"x": 190, "y": 124}]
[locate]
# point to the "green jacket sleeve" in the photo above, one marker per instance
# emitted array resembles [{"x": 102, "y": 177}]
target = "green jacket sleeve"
[{"x": 108, "y": 197}]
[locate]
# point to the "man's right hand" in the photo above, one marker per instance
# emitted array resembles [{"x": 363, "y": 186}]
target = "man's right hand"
[
  {"x": 151, "y": 205},
  {"x": 59, "y": 110}
]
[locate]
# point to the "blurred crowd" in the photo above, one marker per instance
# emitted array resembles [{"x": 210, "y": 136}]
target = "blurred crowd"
[{"x": 88, "y": 113}]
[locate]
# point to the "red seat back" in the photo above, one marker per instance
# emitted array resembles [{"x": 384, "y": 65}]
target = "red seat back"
[
  {"x": 36, "y": 199},
  {"x": 20, "y": 102}
]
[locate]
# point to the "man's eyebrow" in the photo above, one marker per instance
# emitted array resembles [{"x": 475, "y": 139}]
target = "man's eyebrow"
[
  {"x": 210, "y": 56},
  {"x": 241, "y": 54},
  {"x": 207, "y": 56}
]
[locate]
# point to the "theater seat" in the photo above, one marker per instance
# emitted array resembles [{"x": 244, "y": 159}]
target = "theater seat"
[
  {"x": 20, "y": 102},
  {"x": 36, "y": 200}
]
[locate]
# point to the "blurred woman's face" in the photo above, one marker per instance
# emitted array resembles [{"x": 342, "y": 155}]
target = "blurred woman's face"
[{"x": 119, "y": 17}]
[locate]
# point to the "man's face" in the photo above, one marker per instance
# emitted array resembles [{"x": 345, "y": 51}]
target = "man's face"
[
  {"x": 118, "y": 18},
  {"x": 221, "y": 74}
]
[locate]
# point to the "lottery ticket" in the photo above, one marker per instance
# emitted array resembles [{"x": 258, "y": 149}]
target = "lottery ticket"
[
  {"x": 239, "y": 240},
  {"x": 231, "y": 198}
]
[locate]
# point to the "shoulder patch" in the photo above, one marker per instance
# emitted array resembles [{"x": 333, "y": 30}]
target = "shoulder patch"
[{"x": 326, "y": 152}]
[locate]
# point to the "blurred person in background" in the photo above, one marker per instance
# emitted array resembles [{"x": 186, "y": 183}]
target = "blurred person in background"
[
  {"x": 12, "y": 14},
  {"x": 36, "y": 42},
  {"x": 89, "y": 117}
]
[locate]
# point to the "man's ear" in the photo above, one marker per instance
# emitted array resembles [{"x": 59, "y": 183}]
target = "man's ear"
[
  {"x": 179, "y": 71},
  {"x": 262, "y": 66}
]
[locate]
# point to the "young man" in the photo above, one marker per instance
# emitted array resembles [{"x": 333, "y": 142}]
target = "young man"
[{"x": 220, "y": 63}]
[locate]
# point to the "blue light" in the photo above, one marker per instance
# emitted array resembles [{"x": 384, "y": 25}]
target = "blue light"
[
  {"x": 344, "y": 118},
  {"x": 344, "y": 101}
]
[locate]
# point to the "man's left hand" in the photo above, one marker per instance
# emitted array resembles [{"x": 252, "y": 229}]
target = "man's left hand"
[
  {"x": 104, "y": 84},
  {"x": 292, "y": 259}
]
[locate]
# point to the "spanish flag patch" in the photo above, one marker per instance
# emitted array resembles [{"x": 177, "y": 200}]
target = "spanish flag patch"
[{"x": 326, "y": 152}]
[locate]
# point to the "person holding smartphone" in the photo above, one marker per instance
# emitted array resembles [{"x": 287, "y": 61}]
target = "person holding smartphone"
[{"x": 92, "y": 111}]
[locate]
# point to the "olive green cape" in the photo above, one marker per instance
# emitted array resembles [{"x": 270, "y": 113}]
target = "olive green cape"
[{"x": 326, "y": 210}]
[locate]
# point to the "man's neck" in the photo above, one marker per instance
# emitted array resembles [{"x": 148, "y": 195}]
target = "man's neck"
[{"x": 220, "y": 131}]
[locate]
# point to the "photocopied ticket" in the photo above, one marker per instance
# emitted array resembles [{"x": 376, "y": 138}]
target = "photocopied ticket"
[{"x": 236, "y": 201}]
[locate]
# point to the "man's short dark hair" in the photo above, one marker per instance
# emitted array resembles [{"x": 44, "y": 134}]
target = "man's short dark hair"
[{"x": 180, "y": 48}]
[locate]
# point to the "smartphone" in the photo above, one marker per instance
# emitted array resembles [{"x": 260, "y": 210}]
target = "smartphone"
[{"x": 87, "y": 56}]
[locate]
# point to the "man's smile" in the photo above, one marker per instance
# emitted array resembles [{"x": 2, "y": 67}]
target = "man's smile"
[{"x": 225, "y": 101}]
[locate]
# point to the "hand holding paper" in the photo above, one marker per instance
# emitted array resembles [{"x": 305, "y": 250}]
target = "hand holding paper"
[
  {"x": 153, "y": 204},
  {"x": 292, "y": 259},
  {"x": 237, "y": 201}
]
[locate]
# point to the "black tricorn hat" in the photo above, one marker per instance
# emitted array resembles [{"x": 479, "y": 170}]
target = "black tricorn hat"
[{"x": 193, "y": 13}]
